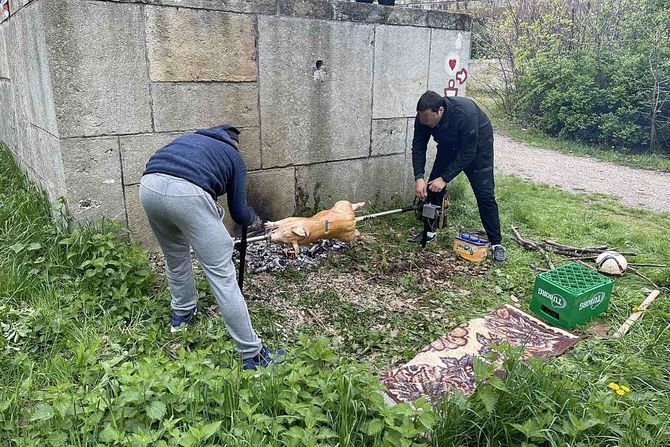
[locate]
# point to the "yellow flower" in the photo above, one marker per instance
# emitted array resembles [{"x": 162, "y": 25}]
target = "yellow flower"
[
  {"x": 635, "y": 308},
  {"x": 620, "y": 392},
  {"x": 614, "y": 386},
  {"x": 625, "y": 389}
]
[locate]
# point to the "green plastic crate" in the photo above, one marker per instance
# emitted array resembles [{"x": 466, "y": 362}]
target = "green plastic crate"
[{"x": 570, "y": 295}]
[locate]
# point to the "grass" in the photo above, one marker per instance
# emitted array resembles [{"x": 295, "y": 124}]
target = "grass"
[
  {"x": 533, "y": 137},
  {"x": 87, "y": 360}
]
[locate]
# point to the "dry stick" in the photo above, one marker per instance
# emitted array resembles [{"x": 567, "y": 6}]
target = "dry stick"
[
  {"x": 636, "y": 315},
  {"x": 318, "y": 320},
  {"x": 637, "y": 264},
  {"x": 638, "y": 273},
  {"x": 530, "y": 245},
  {"x": 586, "y": 265},
  {"x": 584, "y": 251}
]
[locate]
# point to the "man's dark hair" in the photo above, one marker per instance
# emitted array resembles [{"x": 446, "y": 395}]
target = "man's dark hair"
[
  {"x": 430, "y": 100},
  {"x": 232, "y": 131}
]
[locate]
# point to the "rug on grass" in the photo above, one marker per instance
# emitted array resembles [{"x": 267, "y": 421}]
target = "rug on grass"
[{"x": 447, "y": 364}]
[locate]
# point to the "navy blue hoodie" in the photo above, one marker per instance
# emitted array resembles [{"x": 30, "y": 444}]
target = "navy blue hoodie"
[{"x": 208, "y": 158}]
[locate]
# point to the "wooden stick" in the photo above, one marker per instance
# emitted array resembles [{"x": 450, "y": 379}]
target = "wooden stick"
[
  {"x": 530, "y": 245},
  {"x": 586, "y": 265},
  {"x": 638, "y": 273},
  {"x": 636, "y": 315},
  {"x": 661, "y": 266}
]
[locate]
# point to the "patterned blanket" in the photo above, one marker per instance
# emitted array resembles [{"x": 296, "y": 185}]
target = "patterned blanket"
[{"x": 447, "y": 363}]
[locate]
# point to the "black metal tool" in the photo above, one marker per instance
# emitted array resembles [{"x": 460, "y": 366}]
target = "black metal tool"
[{"x": 243, "y": 256}]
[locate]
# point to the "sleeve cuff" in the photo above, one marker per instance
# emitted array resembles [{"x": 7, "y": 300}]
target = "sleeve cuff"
[{"x": 418, "y": 176}]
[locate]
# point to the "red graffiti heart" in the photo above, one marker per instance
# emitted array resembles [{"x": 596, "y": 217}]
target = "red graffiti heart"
[{"x": 452, "y": 63}]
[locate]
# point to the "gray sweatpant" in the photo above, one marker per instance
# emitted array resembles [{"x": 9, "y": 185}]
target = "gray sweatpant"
[{"x": 183, "y": 215}]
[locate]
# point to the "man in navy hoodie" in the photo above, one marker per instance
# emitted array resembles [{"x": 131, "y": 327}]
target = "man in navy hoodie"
[{"x": 178, "y": 192}]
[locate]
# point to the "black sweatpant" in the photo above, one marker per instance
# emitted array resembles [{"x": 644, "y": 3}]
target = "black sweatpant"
[{"x": 483, "y": 185}]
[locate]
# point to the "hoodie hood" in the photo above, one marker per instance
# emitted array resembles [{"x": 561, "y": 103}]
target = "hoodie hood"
[{"x": 221, "y": 133}]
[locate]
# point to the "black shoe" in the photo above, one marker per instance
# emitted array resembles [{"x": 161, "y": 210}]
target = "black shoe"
[
  {"x": 418, "y": 238},
  {"x": 499, "y": 254}
]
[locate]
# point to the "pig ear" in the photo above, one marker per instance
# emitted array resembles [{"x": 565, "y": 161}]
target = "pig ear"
[{"x": 300, "y": 231}]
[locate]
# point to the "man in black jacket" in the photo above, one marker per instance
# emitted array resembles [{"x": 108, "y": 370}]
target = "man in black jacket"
[
  {"x": 178, "y": 192},
  {"x": 464, "y": 138}
]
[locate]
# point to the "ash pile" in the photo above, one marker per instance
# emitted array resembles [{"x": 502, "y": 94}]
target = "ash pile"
[{"x": 266, "y": 257}]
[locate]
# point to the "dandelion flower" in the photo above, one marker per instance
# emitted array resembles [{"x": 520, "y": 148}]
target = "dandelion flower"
[
  {"x": 635, "y": 308},
  {"x": 625, "y": 389},
  {"x": 620, "y": 392},
  {"x": 614, "y": 386}
]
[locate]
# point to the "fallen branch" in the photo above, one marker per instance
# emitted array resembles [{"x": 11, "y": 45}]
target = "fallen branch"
[
  {"x": 530, "y": 245},
  {"x": 586, "y": 265},
  {"x": 638, "y": 273},
  {"x": 623, "y": 329}
]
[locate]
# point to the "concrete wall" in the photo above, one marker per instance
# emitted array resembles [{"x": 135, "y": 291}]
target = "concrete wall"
[{"x": 324, "y": 91}]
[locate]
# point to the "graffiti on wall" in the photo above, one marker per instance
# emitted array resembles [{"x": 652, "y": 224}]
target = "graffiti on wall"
[{"x": 456, "y": 77}]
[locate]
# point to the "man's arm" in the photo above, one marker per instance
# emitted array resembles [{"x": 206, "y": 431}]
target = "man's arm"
[
  {"x": 419, "y": 148},
  {"x": 468, "y": 136},
  {"x": 240, "y": 211}
]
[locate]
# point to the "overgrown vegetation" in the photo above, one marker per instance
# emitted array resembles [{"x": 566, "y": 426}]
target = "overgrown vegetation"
[
  {"x": 86, "y": 357},
  {"x": 596, "y": 72}
]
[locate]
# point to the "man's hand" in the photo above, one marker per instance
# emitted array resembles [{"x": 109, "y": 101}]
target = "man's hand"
[
  {"x": 437, "y": 185},
  {"x": 421, "y": 191}
]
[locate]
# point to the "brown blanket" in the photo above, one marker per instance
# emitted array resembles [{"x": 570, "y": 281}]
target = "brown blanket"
[{"x": 446, "y": 364}]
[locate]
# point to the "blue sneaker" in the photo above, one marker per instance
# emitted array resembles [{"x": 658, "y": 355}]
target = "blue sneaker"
[
  {"x": 263, "y": 359},
  {"x": 179, "y": 320}
]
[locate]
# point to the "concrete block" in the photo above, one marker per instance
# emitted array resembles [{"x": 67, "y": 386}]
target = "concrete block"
[
  {"x": 376, "y": 180},
  {"x": 187, "y": 106},
  {"x": 136, "y": 150},
  {"x": 93, "y": 178},
  {"x": 401, "y": 70},
  {"x": 250, "y": 147},
  {"x": 360, "y": 12},
  {"x": 315, "y": 9},
  {"x": 407, "y": 16},
  {"x": 138, "y": 224},
  {"x": 316, "y": 102},
  {"x": 244, "y": 6},
  {"x": 197, "y": 45},
  {"x": 4, "y": 64},
  {"x": 448, "y": 20},
  {"x": 449, "y": 60},
  {"x": 16, "y": 5},
  {"x": 98, "y": 67},
  {"x": 8, "y": 130},
  {"x": 272, "y": 193},
  {"x": 389, "y": 136},
  {"x": 29, "y": 68},
  {"x": 46, "y": 162}
]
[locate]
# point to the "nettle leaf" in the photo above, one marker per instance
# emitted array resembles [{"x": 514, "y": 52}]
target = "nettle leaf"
[
  {"x": 375, "y": 426},
  {"x": 208, "y": 430},
  {"x": 42, "y": 412},
  {"x": 156, "y": 410},
  {"x": 488, "y": 398}
]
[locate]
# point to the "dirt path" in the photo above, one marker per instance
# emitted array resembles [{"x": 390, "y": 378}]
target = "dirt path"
[{"x": 637, "y": 188}]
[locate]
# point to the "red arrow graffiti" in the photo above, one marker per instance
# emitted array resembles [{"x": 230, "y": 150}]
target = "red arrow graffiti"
[{"x": 462, "y": 76}]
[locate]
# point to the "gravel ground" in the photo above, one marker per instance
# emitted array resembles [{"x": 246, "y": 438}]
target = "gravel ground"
[{"x": 638, "y": 188}]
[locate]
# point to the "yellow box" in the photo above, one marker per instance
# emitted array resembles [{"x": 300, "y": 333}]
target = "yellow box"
[{"x": 471, "y": 247}]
